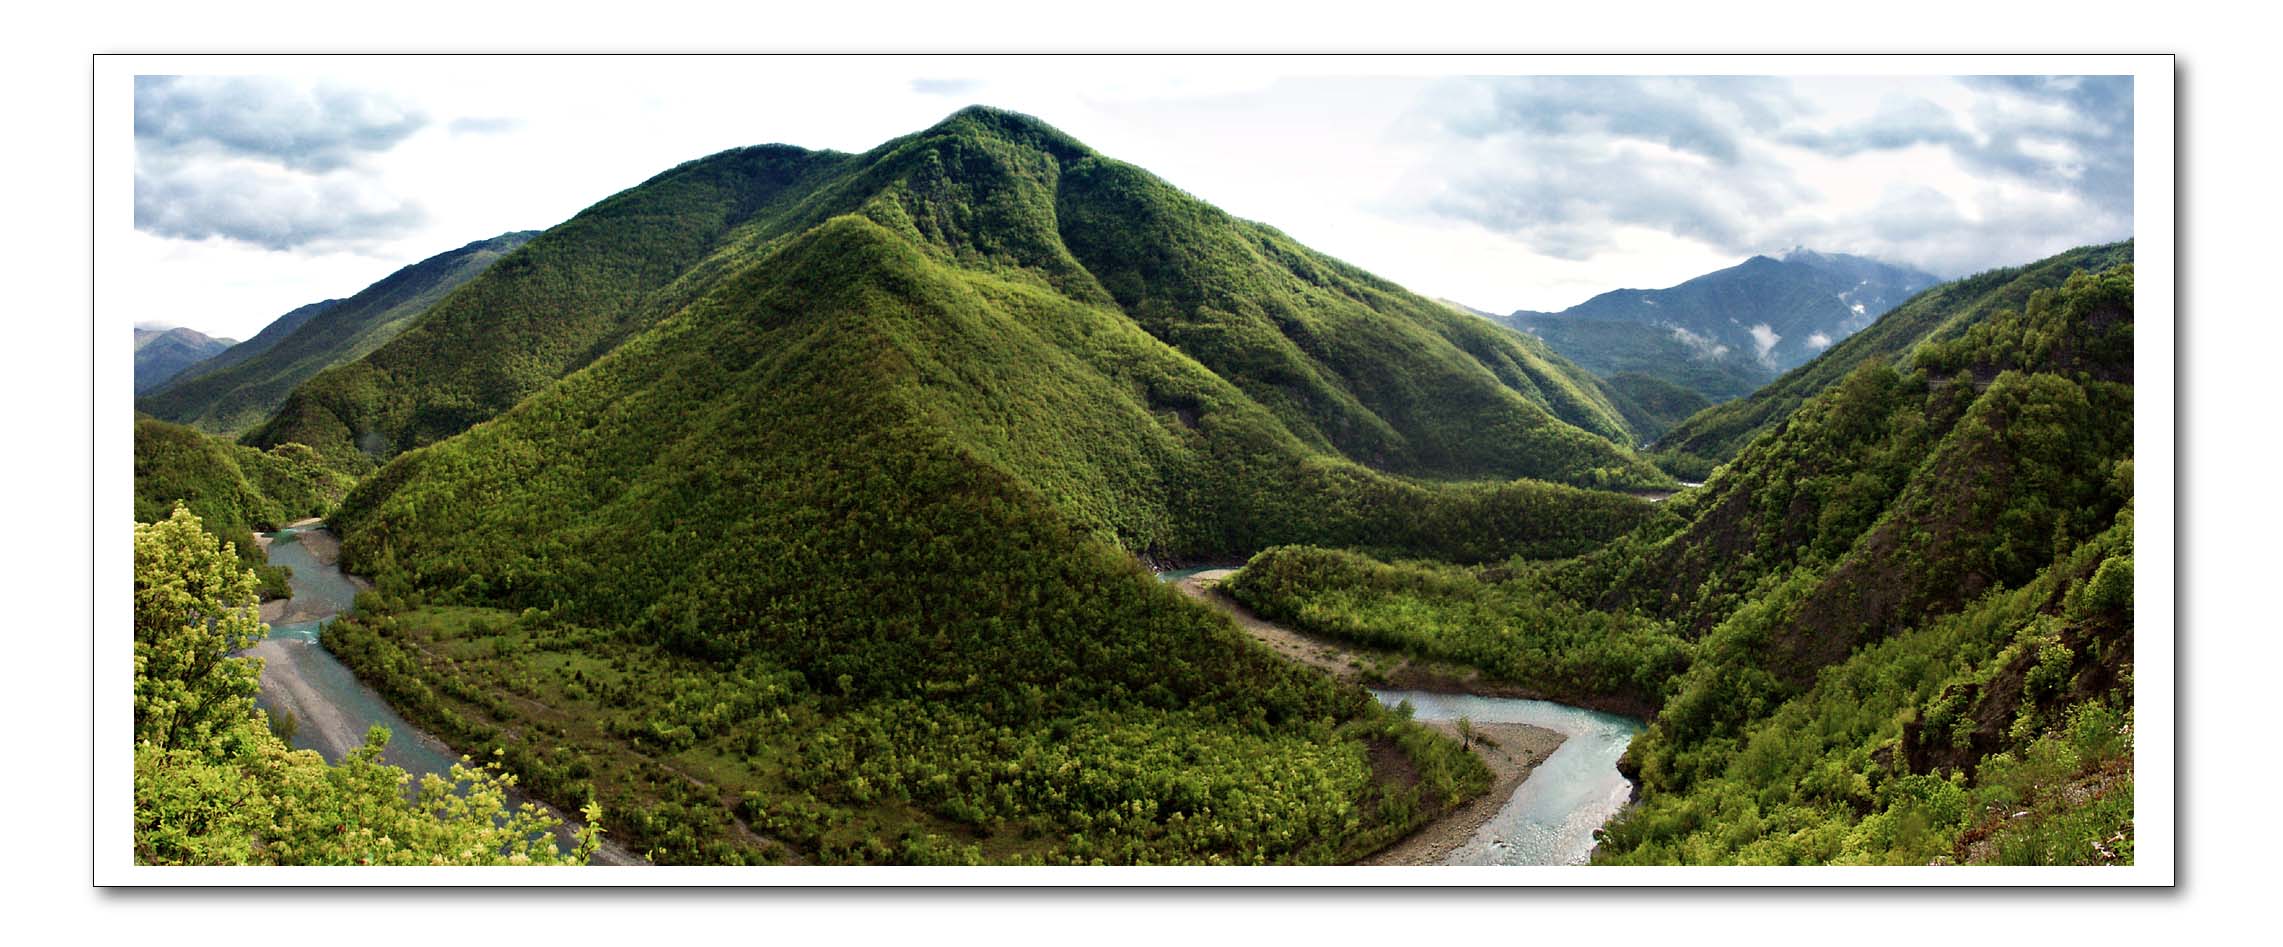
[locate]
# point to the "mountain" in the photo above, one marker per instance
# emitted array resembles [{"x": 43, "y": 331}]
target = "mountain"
[
  {"x": 800, "y": 500},
  {"x": 243, "y": 388},
  {"x": 1695, "y": 446},
  {"x": 262, "y": 341},
  {"x": 1346, "y": 361},
  {"x": 1725, "y": 333},
  {"x": 161, "y": 354},
  {"x": 1896, "y": 628}
]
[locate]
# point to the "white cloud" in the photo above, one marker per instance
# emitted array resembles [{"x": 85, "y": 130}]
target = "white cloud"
[
  {"x": 1764, "y": 341},
  {"x": 1705, "y": 347}
]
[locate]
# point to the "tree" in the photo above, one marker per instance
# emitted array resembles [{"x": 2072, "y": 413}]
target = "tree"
[{"x": 194, "y": 607}]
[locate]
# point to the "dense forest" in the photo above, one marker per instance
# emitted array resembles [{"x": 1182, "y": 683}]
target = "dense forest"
[{"x": 1896, "y": 628}]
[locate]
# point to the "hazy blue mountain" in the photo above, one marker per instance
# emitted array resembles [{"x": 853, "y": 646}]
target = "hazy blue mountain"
[
  {"x": 161, "y": 354},
  {"x": 1726, "y": 333}
]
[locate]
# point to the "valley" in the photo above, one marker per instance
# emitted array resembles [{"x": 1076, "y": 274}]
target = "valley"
[{"x": 801, "y": 507}]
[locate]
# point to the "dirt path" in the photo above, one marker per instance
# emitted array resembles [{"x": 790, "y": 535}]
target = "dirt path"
[{"x": 1511, "y": 750}]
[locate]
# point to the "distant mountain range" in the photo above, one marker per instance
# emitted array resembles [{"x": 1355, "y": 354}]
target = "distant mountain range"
[
  {"x": 240, "y": 387},
  {"x": 1693, "y": 448},
  {"x": 162, "y": 354},
  {"x": 1726, "y": 333}
]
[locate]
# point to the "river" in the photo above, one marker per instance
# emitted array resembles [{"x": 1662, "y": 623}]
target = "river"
[
  {"x": 1551, "y": 819},
  {"x": 332, "y": 710}
]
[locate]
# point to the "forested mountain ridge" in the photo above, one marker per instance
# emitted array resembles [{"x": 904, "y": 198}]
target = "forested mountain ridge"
[
  {"x": 242, "y": 386},
  {"x": 891, "y": 449},
  {"x": 263, "y": 341},
  {"x": 1723, "y": 334},
  {"x": 161, "y": 354},
  {"x": 1343, "y": 359},
  {"x": 1896, "y": 628},
  {"x": 1957, "y": 625},
  {"x": 1713, "y": 436}
]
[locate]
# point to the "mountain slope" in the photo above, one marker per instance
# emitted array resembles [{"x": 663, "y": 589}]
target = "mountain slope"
[
  {"x": 1725, "y": 333},
  {"x": 262, "y": 341},
  {"x": 242, "y": 388},
  {"x": 160, "y": 355},
  {"x": 1952, "y": 634},
  {"x": 1715, "y": 435},
  {"x": 1346, "y": 362}
]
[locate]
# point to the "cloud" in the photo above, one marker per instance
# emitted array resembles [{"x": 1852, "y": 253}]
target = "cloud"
[
  {"x": 1705, "y": 347},
  {"x": 2069, "y": 133},
  {"x": 1819, "y": 341},
  {"x": 1764, "y": 341},
  {"x": 1952, "y": 175},
  {"x": 1562, "y": 163},
  {"x": 269, "y": 162},
  {"x": 268, "y": 206},
  {"x": 316, "y": 128}
]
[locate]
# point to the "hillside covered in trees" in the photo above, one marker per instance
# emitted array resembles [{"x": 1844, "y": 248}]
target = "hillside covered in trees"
[
  {"x": 802, "y": 507},
  {"x": 1895, "y": 629}
]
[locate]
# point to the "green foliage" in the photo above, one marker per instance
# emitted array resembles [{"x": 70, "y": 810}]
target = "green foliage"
[
  {"x": 1612, "y": 348},
  {"x": 194, "y": 607},
  {"x": 1651, "y": 405},
  {"x": 965, "y": 770},
  {"x": 1500, "y": 620},
  {"x": 215, "y": 786}
]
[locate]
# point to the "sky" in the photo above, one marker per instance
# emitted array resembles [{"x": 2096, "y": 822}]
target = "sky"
[{"x": 256, "y": 194}]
